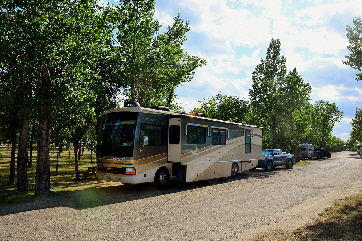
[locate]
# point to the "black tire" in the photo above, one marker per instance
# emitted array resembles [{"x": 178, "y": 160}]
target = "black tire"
[
  {"x": 289, "y": 165},
  {"x": 269, "y": 167},
  {"x": 162, "y": 178},
  {"x": 234, "y": 169}
]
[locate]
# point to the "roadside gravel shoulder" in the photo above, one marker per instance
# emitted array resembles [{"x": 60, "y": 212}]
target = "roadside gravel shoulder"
[{"x": 245, "y": 208}]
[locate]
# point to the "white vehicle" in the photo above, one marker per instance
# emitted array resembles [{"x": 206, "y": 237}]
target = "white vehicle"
[
  {"x": 139, "y": 145},
  {"x": 306, "y": 151}
]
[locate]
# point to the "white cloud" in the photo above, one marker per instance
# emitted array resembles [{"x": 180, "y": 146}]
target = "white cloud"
[
  {"x": 346, "y": 120},
  {"x": 233, "y": 35},
  {"x": 333, "y": 93}
]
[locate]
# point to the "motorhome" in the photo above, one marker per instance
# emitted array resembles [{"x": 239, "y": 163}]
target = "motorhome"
[
  {"x": 140, "y": 145},
  {"x": 306, "y": 151}
]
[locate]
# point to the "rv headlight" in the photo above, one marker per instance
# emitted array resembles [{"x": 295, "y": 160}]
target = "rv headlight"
[{"x": 130, "y": 171}]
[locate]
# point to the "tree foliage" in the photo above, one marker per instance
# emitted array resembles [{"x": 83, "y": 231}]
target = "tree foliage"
[
  {"x": 52, "y": 45},
  {"x": 280, "y": 102},
  {"x": 356, "y": 133},
  {"x": 265, "y": 92},
  {"x": 223, "y": 107},
  {"x": 152, "y": 65},
  {"x": 293, "y": 120},
  {"x": 324, "y": 116},
  {"x": 354, "y": 35},
  {"x": 63, "y": 62}
]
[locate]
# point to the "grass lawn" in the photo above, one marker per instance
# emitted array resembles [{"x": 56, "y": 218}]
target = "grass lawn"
[{"x": 62, "y": 179}]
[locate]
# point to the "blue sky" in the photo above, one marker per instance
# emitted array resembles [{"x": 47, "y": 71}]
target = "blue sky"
[{"x": 233, "y": 36}]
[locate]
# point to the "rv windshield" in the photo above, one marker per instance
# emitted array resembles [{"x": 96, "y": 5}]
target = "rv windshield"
[
  {"x": 117, "y": 134},
  {"x": 118, "y": 129}
]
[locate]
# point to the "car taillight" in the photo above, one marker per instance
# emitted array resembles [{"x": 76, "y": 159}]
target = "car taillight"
[{"x": 130, "y": 171}]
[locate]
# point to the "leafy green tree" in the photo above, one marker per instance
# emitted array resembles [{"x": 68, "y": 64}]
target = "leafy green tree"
[
  {"x": 354, "y": 35},
  {"x": 335, "y": 144},
  {"x": 78, "y": 117},
  {"x": 356, "y": 133},
  {"x": 151, "y": 65},
  {"x": 325, "y": 115},
  {"x": 268, "y": 78},
  {"x": 223, "y": 107},
  {"x": 16, "y": 110},
  {"x": 294, "y": 120},
  {"x": 51, "y": 44}
]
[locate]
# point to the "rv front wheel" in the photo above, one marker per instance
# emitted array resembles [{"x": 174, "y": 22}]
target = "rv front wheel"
[
  {"x": 162, "y": 178},
  {"x": 234, "y": 169}
]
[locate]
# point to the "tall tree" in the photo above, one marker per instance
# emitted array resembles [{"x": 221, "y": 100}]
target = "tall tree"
[
  {"x": 294, "y": 119},
  {"x": 356, "y": 133},
  {"x": 54, "y": 44},
  {"x": 152, "y": 65},
  {"x": 325, "y": 115},
  {"x": 354, "y": 35},
  {"x": 268, "y": 78}
]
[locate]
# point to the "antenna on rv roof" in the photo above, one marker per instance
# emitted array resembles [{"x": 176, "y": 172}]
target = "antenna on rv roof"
[{"x": 131, "y": 104}]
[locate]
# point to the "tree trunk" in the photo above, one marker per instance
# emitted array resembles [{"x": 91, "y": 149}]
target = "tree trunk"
[
  {"x": 22, "y": 170},
  {"x": 13, "y": 140},
  {"x": 30, "y": 159},
  {"x": 76, "y": 160},
  {"x": 42, "y": 185},
  {"x": 11, "y": 180}
]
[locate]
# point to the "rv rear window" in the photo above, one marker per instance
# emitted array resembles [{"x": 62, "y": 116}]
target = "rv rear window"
[{"x": 196, "y": 134}]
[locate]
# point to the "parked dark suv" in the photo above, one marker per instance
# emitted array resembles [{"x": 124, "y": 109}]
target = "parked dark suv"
[{"x": 321, "y": 153}]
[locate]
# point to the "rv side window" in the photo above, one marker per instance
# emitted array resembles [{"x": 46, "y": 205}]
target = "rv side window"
[
  {"x": 150, "y": 135},
  {"x": 174, "y": 134},
  {"x": 247, "y": 141},
  {"x": 196, "y": 134},
  {"x": 218, "y": 136}
]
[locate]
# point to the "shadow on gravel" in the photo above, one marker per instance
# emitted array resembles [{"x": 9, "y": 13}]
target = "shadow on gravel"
[
  {"x": 105, "y": 195},
  {"x": 355, "y": 155}
]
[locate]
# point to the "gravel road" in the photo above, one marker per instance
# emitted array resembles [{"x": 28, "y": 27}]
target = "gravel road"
[{"x": 243, "y": 208}]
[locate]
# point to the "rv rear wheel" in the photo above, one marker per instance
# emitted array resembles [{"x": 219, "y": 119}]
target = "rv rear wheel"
[
  {"x": 234, "y": 169},
  {"x": 162, "y": 178}
]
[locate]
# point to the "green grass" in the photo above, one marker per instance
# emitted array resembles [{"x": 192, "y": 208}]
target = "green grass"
[
  {"x": 62, "y": 179},
  {"x": 302, "y": 163}
]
